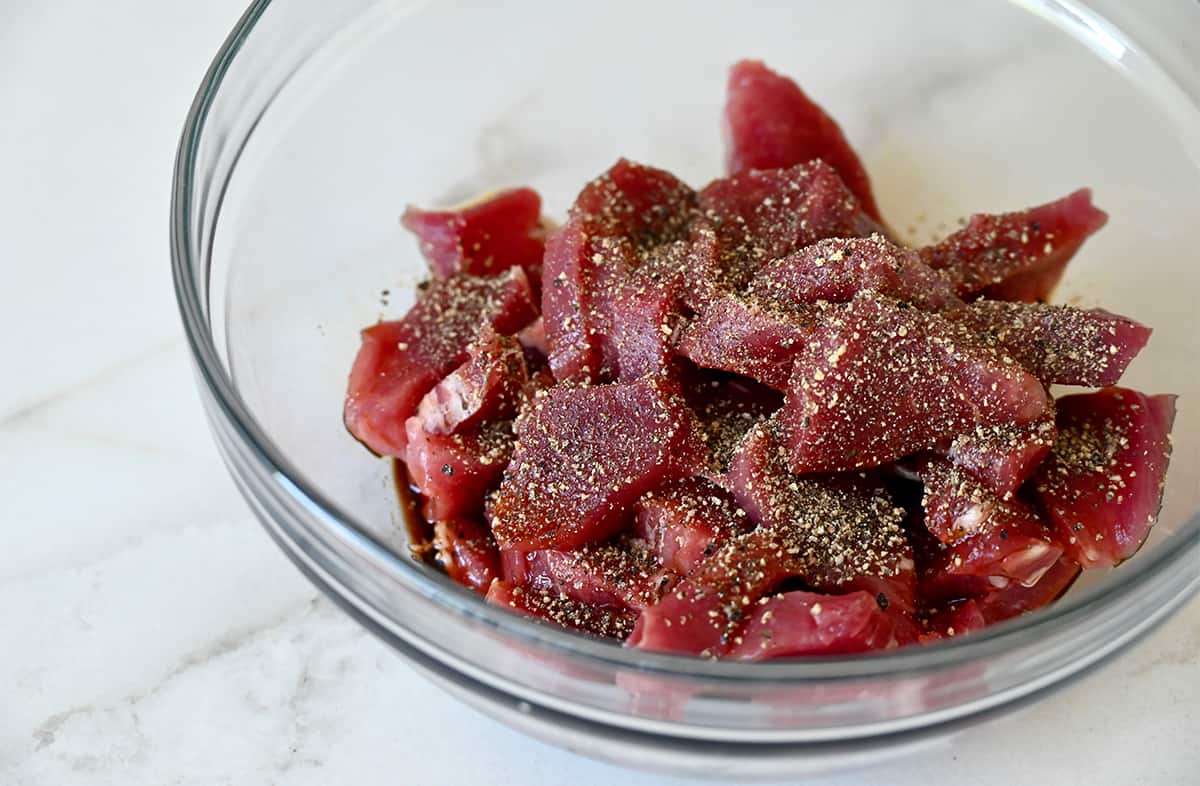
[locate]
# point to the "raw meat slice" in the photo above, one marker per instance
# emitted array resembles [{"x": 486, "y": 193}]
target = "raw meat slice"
[
  {"x": 613, "y": 271},
  {"x": 760, "y": 215},
  {"x": 453, "y": 472},
  {"x": 533, "y": 339},
  {"x": 805, "y": 623},
  {"x": 703, "y": 278},
  {"x": 554, "y": 607},
  {"x": 991, "y": 605},
  {"x": 645, "y": 205},
  {"x": 686, "y": 521},
  {"x": 953, "y": 620},
  {"x": 485, "y": 388},
  {"x": 990, "y": 562},
  {"x": 641, "y": 320},
  {"x": 822, "y": 531},
  {"x": 747, "y": 336},
  {"x": 1035, "y": 285},
  {"x": 584, "y": 457},
  {"x": 483, "y": 238},
  {"x": 1017, "y": 599},
  {"x": 1058, "y": 344},
  {"x": 955, "y": 506},
  {"x": 703, "y": 611},
  {"x": 622, "y": 573},
  {"x": 897, "y": 592},
  {"x": 727, "y": 408},
  {"x": 399, "y": 362},
  {"x": 568, "y": 313},
  {"x": 1017, "y": 256},
  {"x": 1101, "y": 486},
  {"x": 836, "y": 269},
  {"x": 878, "y": 381},
  {"x": 991, "y": 543},
  {"x": 770, "y": 123},
  {"x": 840, "y": 527},
  {"x": 466, "y": 551},
  {"x": 958, "y": 507},
  {"x": 1002, "y": 457}
]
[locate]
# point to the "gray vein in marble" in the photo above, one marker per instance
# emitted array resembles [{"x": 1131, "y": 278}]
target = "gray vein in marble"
[
  {"x": 167, "y": 448},
  {"x": 44, "y": 733},
  {"x": 297, "y": 706},
  {"x": 125, "y": 749},
  {"x": 99, "y": 554},
  {"x": 22, "y": 413}
]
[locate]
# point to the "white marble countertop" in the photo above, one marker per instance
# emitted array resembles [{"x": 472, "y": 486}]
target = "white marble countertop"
[{"x": 152, "y": 633}]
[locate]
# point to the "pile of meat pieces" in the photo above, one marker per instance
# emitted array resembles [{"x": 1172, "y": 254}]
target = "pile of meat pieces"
[{"x": 745, "y": 422}]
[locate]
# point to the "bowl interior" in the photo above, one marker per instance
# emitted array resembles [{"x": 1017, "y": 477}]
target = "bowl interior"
[{"x": 424, "y": 103}]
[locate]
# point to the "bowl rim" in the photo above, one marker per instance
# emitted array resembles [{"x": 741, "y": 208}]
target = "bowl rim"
[{"x": 217, "y": 382}]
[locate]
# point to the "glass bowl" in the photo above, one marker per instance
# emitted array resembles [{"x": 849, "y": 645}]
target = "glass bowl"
[{"x": 318, "y": 122}]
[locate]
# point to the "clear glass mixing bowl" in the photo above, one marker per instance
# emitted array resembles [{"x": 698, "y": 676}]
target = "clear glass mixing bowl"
[{"x": 319, "y": 121}]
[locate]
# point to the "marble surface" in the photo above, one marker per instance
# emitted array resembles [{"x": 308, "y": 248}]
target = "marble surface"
[{"x": 151, "y": 632}]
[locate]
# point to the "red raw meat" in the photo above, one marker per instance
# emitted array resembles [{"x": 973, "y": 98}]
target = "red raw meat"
[
  {"x": 836, "y": 269},
  {"x": 897, "y": 592},
  {"x": 641, "y": 321},
  {"x": 621, "y": 573},
  {"x": 761, "y": 215},
  {"x": 1002, "y": 457},
  {"x": 989, "y": 562},
  {"x": 569, "y": 320},
  {"x": 607, "y": 318},
  {"x": 727, "y": 406},
  {"x": 703, "y": 277},
  {"x": 484, "y": 238},
  {"x": 704, "y": 610},
  {"x": 770, "y": 123},
  {"x": 486, "y": 388},
  {"x": 996, "y": 605},
  {"x": 954, "y": 504},
  {"x": 1017, "y": 256},
  {"x": 1016, "y": 598},
  {"x": 539, "y": 382},
  {"x": 953, "y": 620},
  {"x": 399, "y": 362},
  {"x": 642, "y": 204},
  {"x": 1059, "y": 344},
  {"x": 613, "y": 271},
  {"x": 878, "y": 381},
  {"x": 958, "y": 507},
  {"x": 843, "y": 528},
  {"x": 805, "y": 623},
  {"x": 466, "y": 551},
  {"x": 554, "y": 607},
  {"x": 533, "y": 339},
  {"x": 584, "y": 457},
  {"x": 744, "y": 423},
  {"x": 686, "y": 521},
  {"x": 823, "y": 531},
  {"x": 748, "y": 336},
  {"x": 991, "y": 542},
  {"x": 453, "y": 472},
  {"x": 1101, "y": 486}
]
